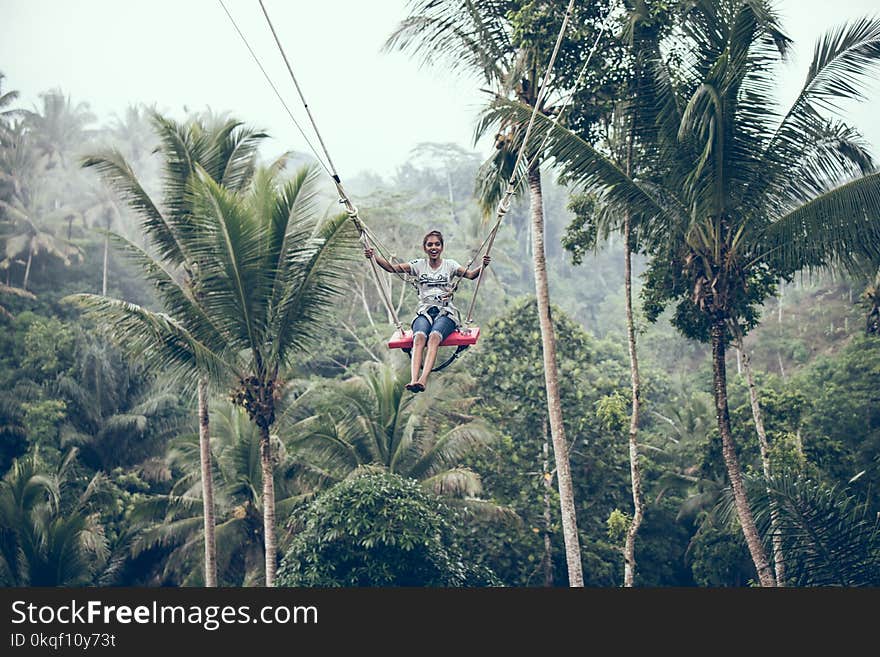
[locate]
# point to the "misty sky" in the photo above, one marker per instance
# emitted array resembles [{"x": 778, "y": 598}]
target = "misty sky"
[{"x": 371, "y": 108}]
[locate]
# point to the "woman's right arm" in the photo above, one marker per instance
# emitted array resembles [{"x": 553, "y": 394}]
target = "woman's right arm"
[{"x": 396, "y": 268}]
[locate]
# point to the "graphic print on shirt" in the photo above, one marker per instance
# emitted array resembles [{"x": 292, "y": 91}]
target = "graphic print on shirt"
[{"x": 435, "y": 285}]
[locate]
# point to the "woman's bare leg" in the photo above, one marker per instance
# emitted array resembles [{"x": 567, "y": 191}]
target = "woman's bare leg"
[
  {"x": 419, "y": 341},
  {"x": 434, "y": 341}
]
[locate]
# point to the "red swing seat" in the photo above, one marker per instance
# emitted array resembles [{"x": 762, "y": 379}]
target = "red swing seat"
[{"x": 464, "y": 337}]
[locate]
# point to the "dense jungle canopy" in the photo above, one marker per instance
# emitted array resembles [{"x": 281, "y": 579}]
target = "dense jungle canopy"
[{"x": 676, "y": 381}]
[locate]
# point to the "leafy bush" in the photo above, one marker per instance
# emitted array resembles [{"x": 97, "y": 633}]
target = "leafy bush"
[{"x": 377, "y": 529}]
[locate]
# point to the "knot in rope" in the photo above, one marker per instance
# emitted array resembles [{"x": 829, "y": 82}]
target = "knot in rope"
[
  {"x": 352, "y": 212},
  {"x": 349, "y": 208}
]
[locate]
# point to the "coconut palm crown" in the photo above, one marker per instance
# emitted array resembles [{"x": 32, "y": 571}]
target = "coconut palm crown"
[{"x": 264, "y": 274}]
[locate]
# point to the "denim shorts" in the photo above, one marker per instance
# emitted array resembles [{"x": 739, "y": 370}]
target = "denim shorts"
[{"x": 444, "y": 325}]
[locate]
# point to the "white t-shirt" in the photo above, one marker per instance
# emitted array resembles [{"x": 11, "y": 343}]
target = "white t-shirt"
[{"x": 435, "y": 285}]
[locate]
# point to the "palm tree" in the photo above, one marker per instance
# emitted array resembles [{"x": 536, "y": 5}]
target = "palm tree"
[
  {"x": 6, "y": 99},
  {"x": 33, "y": 219},
  {"x": 34, "y": 239},
  {"x": 268, "y": 272},
  {"x": 741, "y": 195},
  {"x": 43, "y": 543},
  {"x": 173, "y": 521},
  {"x": 224, "y": 150},
  {"x": 20, "y": 165},
  {"x": 59, "y": 127},
  {"x": 481, "y": 38},
  {"x": 14, "y": 291},
  {"x": 830, "y": 537},
  {"x": 367, "y": 420},
  {"x": 117, "y": 415}
]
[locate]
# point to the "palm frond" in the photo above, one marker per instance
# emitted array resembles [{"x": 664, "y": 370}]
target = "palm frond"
[
  {"x": 315, "y": 279},
  {"x": 452, "y": 446},
  {"x": 842, "y": 63},
  {"x": 288, "y": 214},
  {"x": 179, "y": 300},
  {"x": 456, "y": 482},
  {"x": 161, "y": 341},
  {"x": 834, "y": 227},
  {"x": 830, "y": 538},
  {"x": 237, "y": 151},
  {"x": 169, "y": 534},
  {"x": 16, "y": 291},
  {"x": 118, "y": 174},
  {"x": 318, "y": 441},
  {"x": 463, "y": 35},
  {"x": 831, "y": 152},
  {"x": 233, "y": 285}
]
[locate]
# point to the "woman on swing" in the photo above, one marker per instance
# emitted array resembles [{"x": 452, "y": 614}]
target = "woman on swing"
[{"x": 436, "y": 318}]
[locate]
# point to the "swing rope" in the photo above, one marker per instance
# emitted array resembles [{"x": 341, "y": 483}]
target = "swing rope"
[
  {"x": 504, "y": 204},
  {"x": 328, "y": 166},
  {"x": 351, "y": 209},
  {"x": 366, "y": 235},
  {"x": 274, "y": 88}
]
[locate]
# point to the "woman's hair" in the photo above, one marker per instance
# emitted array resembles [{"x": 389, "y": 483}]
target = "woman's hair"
[{"x": 433, "y": 232}]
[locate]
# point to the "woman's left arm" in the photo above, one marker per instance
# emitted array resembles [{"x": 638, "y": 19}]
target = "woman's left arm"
[{"x": 473, "y": 273}]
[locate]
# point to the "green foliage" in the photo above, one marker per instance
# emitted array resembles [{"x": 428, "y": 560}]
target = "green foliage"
[
  {"x": 118, "y": 414},
  {"x": 145, "y": 528},
  {"x": 377, "y": 529},
  {"x": 667, "y": 280},
  {"x": 830, "y": 537},
  {"x": 613, "y": 412},
  {"x": 841, "y": 425},
  {"x": 582, "y": 234},
  {"x": 510, "y": 369},
  {"x": 169, "y": 537},
  {"x": 47, "y": 539},
  {"x": 370, "y": 420},
  {"x": 719, "y": 558},
  {"x": 48, "y": 347},
  {"x": 41, "y": 419},
  {"x": 618, "y": 524}
]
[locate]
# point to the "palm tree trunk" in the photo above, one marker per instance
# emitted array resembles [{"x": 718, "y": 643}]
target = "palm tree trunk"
[
  {"x": 207, "y": 487},
  {"x": 722, "y": 415},
  {"x": 268, "y": 504},
  {"x": 106, "y": 263},
  {"x": 451, "y": 196},
  {"x": 629, "y": 559},
  {"x": 778, "y": 557},
  {"x": 551, "y": 381},
  {"x": 27, "y": 269},
  {"x": 548, "y": 517}
]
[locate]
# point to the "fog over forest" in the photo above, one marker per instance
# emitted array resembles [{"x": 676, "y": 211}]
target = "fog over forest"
[{"x": 677, "y": 292}]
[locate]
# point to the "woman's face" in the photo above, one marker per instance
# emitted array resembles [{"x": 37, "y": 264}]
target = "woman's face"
[{"x": 433, "y": 247}]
